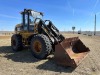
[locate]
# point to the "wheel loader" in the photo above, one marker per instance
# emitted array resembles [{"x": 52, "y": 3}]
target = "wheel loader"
[{"x": 44, "y": 39}]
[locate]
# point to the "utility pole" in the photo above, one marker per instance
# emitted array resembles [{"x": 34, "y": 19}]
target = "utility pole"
[{"x": 95, "y": 26}]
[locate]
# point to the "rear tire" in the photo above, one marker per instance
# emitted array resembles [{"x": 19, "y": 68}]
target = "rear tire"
[
  {"x": 16, "y": 42},
  {"x": 40, "y": 46}
]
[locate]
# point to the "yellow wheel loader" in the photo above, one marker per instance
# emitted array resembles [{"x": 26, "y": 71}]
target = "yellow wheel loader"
[{"x": 44, "y": 38}]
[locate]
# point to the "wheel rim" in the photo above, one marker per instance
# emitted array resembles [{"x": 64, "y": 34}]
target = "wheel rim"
[{"x": 37, "y": 46}]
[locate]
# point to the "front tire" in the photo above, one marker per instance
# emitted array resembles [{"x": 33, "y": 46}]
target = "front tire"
[
  {"x": 16, "y": 42},
  {"x": 40, "y": 46}
]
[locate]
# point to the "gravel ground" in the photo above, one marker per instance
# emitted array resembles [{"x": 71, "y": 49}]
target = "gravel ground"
[{"x": 23, "y": 63}]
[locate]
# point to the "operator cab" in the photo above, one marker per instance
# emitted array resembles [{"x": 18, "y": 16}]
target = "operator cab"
[{"x": 28, "y": 18}]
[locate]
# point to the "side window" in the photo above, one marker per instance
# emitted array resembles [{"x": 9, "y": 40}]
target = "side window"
[
  {"x": 31, "y": 20},
  {"x": 26, "y": 19},
  {"x": 31, "y": 23},
  {"x": 26, "y": 22}
]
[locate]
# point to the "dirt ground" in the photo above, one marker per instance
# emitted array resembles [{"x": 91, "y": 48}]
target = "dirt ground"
[{"x": 23, "y": 63}]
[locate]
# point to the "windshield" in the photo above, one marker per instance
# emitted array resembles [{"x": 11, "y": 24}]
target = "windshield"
[{"x": 36, "y": 14}]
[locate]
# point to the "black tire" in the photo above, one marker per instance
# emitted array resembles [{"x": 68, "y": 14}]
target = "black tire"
[
  {"x": 45, "y": 46},
  {"x": 16, "y": 42}
]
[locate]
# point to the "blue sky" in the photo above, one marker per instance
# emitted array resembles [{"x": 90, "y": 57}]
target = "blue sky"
[{"x": 63, "y": 13}]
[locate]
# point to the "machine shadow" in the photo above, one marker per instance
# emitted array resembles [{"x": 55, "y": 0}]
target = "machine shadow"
[
  {"x": 52, "y": 66},
  {"x": 24, "y": 56}
]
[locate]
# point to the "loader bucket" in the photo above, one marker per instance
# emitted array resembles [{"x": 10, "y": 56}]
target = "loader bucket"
[{"x": 70, "y": 52}]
